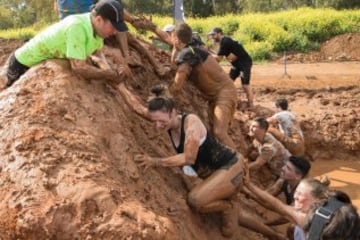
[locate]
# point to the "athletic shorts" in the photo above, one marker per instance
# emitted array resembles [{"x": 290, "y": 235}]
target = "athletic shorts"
[
  {"x": 243, "y": 72},
  {"x": 15, "y": 70}
]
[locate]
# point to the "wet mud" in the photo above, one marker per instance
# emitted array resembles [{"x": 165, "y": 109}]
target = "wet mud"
[{"x": 67, "y": 146}]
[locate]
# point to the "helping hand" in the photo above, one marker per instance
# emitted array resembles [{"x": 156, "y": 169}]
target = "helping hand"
[{"x": 144, "y": 23}]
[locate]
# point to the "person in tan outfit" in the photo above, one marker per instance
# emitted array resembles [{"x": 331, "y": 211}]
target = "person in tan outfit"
[
  {"x": 271, "y": 152},
  {"x": 287, "y": 129},
  {"x": 200, "y": 68}
]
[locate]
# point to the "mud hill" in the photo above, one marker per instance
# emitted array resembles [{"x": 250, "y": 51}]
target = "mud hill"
[{"x": 67, "y": 146}]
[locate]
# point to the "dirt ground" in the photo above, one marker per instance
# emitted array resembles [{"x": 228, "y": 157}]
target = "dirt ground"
[{"x": 67, "y": 146}]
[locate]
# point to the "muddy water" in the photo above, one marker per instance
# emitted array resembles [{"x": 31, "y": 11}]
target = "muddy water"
[{"x": 344, "y": 175}]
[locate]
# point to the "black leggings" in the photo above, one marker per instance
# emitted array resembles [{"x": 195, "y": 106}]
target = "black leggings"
[{"x": 15, "y": 70}]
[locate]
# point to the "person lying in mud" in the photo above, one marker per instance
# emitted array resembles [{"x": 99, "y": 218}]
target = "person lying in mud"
[
  {"x": 334, "y": 219},
  {"x": 317, "y": 212},
  {"x": 287, "y": 129},
  {"x": 271, "y": 152},
  {"x": 200, "y": 68},
  {"x": 74, "y": 38},
  {"x": 294, "y": 170},
  {"x": 219, "y": 166}
]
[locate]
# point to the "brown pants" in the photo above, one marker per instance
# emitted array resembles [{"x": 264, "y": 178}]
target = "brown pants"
[
  {"x": 210, "y": 195},
  {"x": 221, "y": 112}
]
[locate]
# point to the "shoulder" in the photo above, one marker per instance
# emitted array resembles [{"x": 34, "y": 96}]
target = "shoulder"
[
  {"x": 190, "y": 55},
  {"x": 192, "y": 118},
  {"x": 194, "y": 127},
  {"x": 226, "y": 40}
]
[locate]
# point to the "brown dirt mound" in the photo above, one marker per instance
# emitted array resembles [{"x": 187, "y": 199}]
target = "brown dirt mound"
[
  {"x": 67, "y": 169},
  {"x": 345, "y": 47},
  {"x": 67, "y": 147}
]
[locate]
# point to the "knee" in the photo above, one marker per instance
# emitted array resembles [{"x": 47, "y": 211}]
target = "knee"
[{"x": 194, "y": 200}]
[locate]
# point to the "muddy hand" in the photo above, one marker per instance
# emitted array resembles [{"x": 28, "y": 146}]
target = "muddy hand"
[
  {"x": 144, "y": 161},
  {"x": 144, "y": 23},
  {"x": 99, "y": 62}
]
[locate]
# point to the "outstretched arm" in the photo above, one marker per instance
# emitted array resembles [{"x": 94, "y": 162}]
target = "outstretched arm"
[
  {"x": 91, "y": 72},
  {"x": 182, "y": 74},
  {"x": 287, "y": 211},
  {"x": 133, "y": 101}
]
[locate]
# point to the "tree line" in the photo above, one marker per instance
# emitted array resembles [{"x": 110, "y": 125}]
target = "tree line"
[{"x": 22, "y": 13}]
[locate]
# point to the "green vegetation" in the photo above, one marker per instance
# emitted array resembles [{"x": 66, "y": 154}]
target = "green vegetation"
[{"x": 262, "y": 34}]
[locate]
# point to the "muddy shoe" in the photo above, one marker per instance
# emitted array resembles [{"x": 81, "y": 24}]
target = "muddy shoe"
[{"x": 229, "y": 222}]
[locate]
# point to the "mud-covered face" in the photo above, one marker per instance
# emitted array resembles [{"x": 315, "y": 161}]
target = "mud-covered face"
[
  {"x": 162, "y": 119},
  {"x": 255, "y": 129},
  {"x": 288, "y": 172},
  {"x": 303, "y": 199},
  {"x": 103, "y": 27}
]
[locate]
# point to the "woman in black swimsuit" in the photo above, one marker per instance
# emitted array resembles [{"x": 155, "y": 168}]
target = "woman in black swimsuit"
[{"x": 220, "y": 167}]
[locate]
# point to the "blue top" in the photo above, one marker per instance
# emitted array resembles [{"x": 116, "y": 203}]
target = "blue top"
[{"x": 69, "y": 7}]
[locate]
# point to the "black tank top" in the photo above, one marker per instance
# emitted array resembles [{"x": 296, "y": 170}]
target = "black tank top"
[{"x": 212, "y": 154}]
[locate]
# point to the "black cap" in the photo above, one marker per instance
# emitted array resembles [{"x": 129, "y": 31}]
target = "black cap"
[
  {"x": 215, "y": 30},
  {"x": 113, "y": 11}
]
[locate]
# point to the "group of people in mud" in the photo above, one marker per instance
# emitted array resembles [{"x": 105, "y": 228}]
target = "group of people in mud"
[{"x": 210, "y": 155}]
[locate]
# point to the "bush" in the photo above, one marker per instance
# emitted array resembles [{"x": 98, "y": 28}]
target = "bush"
[{"x": 262, "y": 35}]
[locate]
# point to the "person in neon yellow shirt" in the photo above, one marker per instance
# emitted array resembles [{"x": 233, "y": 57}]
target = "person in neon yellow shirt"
[{"x": 75, "y": 38}]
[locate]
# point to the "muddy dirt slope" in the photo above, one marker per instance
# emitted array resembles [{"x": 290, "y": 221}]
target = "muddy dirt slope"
[{"x": 67, "y": 147}]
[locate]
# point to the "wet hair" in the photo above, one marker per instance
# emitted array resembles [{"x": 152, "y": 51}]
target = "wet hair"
[
  {"x": 282, "y": 103},
  {"x": 183, "y": 32},
  {"x": 319, "y": 190},
  {"x": 344, "y": 222},
  {"x": 302, "y": 166},
  {"x": 161, "y": 99},
  {"x": 262, "y": 123}
]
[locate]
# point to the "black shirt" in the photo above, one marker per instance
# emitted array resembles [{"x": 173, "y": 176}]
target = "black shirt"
[
  {"x": 191, "y": 55},
  {"x": 228, "y": 45}
]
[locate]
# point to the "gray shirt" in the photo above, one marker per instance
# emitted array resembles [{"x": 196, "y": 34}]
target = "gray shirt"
[{"x": 288, "y": 124}]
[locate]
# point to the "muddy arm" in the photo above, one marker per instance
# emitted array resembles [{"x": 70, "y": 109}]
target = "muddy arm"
[
  {"x": 258, "y": 163},
  {"x": 133, "y": 101},
  {"x": 182, "y": 74},
  {"x": 87, "y": 71},
  {"x": 281, "y": 208},
  {"x": 164, "y": 36}
]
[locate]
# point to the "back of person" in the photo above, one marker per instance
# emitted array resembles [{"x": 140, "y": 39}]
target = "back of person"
[
  {"x": 70, "y": 7},
  {"x": 207, "y": 74},
  {"x": 288, "y": 124},
  {"x": 54, "y": 41}
]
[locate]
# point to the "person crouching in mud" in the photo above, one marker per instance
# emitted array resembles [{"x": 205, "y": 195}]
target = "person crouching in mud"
[{"x": 220, "y": 167}]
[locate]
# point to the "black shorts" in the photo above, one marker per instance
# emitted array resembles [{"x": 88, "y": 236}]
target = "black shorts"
[
  {"x": 243, "y": 71},
  {"x": 15, "y": 70}
]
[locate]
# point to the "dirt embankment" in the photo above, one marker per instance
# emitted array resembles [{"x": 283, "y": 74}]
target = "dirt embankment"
[{"x": 67, "y": 147}]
